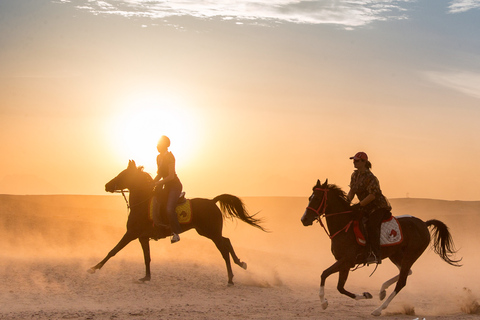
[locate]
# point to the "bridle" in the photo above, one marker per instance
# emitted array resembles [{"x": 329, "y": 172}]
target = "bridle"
[
  {"x": 129, "y": 206},
  {"x": 123, "y": 191},
  {"x": 322, "y": 203},
  {"x": 321, "y": 212}
]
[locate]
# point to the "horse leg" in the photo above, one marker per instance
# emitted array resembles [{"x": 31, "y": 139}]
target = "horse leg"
[
  {"x": 336, "y": 267},
  {"x": 342, "y": 279},
  {"x": 232, "y": 253},
  {"x": 126, "y": 239},
  {"x": 226, "y": 256},
  {"x": 145, "y": 242},
  {"x": 401, "y": 282},
  {"x": 389, "y": 282}
]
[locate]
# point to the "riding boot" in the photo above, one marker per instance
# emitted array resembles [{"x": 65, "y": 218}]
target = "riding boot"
[
  {"x": 175, "y": 226},
  {"x": 374, "y": 256}
]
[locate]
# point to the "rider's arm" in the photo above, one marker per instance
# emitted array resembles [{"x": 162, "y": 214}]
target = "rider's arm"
[
  {"x": 367, "y": 200},
  {"x": 350, "y": 195}
]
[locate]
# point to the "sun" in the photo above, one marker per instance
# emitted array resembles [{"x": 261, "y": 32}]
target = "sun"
[{"x": 145, "y": 119}]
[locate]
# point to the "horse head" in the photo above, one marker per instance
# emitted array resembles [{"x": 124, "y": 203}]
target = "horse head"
[
  {"x": 327, "y": 200},
  {"x": 316, "y": 204},
  {"x": 127, "y": 179}
]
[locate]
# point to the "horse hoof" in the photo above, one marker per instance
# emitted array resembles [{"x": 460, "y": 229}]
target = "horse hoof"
[
  {"x": 144, "y": 279},
  {"x": 243, "y": 265},
  {"x": 230, "y": 284},
  {"x": 383, "y": 294},
  {"x": 367, "y": 295},
  {"x": 376, "y": 313},
  {"x": 91, "y": 270},
  {"x": 324, "y": 304}
]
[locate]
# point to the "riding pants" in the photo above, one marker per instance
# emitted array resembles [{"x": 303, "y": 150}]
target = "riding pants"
[
  {"x": 165, "y": 201},
  {"x": 374, "y": 223}
]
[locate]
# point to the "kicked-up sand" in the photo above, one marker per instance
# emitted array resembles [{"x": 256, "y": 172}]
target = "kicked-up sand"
[{"x": 49, "y": 242}]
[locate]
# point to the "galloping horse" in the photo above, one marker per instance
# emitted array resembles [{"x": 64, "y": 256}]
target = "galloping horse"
[
  {"x": 207, "y": 218},
  {"x": 331, "y": 202}
]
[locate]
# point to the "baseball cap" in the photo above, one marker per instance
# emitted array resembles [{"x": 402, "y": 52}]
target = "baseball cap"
[{"x": 360, "y": 155}]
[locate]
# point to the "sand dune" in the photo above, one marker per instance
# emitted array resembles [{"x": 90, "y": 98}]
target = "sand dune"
[{"x": 48, "y": 243}]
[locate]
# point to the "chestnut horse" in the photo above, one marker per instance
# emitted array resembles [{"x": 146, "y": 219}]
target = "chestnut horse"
[
  {"x": 331, "y": 202},
  {"x": 207, "y": 218}
]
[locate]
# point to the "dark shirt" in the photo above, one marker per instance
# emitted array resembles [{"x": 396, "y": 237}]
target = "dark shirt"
[
  {"x": 363, "y": 184},
  {"x": 163, "y": 164}
]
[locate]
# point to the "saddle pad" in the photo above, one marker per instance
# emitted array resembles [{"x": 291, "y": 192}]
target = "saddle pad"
[
  {"x": 184, "y": 212},
  {"x": 390, "y": 233}
]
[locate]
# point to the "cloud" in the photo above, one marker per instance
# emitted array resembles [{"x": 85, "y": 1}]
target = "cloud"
[
  {"x": 462, "y": 81},
  {"x": 348, "y": 13},
  {"x": 459, "y": 6}
]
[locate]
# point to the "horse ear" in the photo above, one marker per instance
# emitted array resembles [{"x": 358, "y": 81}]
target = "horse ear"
[
  {"x": 326, "y": 183},
  {"x": 131, "y": 164},
  {"x": 318, "y": 183}
]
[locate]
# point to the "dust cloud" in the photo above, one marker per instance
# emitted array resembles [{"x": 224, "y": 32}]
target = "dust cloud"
[{"x": 48, "y": 243}]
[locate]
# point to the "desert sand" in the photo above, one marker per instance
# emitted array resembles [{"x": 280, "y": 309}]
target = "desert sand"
[{"x": 49, "y": 242}]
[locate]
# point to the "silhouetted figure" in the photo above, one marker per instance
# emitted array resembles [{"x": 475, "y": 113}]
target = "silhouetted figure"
[
  {"x": 207, "y": 218},
  {"x": 167, "y": 189},
  {"x": 373, "y": 203}
]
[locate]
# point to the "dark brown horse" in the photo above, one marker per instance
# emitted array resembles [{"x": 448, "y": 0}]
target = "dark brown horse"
[
  {"x": 331, "y": 202},
  {"x": 207, "y": 218}
]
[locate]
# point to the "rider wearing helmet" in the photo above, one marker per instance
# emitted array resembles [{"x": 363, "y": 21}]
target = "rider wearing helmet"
[
  {"x": 167, "y": 188},
  {"x": 373, "y": 203}
]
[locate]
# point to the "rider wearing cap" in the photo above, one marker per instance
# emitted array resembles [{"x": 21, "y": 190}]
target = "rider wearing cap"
[{"x": 373, "y": 203}]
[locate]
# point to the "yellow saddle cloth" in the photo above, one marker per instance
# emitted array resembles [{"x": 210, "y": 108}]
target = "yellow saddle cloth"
[{"x": 184, "y": 212}]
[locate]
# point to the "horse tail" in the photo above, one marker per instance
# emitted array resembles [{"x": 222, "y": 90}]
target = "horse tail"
[
  {"x": 233, "y": 207},
  {"x": 443, "y": 242}
]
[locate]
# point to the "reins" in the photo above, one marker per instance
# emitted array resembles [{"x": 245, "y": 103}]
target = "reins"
[
  {"x": 122, "y": 191},
  {"x": 129, "y": 207},
  {"x": 323, "y": 207},
  {"x": 323, "y": 213}
]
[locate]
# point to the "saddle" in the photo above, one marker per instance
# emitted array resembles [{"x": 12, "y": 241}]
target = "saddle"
[
  {"x": 183, "y": 210},
  {"x": 390, "y": 232},
  {"x": 181, "y": 198}
]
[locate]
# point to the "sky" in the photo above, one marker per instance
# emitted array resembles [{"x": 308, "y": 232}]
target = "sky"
[{"x": 259, "y": 98}]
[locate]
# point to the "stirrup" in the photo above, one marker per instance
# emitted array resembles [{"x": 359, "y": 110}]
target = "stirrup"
[
  {"x": 372, "y": 258},
  {"x": 175, "y": 238}
]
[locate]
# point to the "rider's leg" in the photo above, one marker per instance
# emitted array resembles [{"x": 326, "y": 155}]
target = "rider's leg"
[
  {"x": 374, "y": 224},
  {"x": 173, "y": 194}
]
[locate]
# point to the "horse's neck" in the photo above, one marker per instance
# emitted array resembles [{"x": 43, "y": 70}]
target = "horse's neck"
[
  {"x": 338, "y": 217},
  {"x": 139, "y": 198},
  {"x": 137, "y": 194}
]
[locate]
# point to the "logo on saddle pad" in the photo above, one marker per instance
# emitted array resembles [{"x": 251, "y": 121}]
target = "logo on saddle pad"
[
  {"x": 184, "y": 212},
  {"x": 390, "y": 233}
]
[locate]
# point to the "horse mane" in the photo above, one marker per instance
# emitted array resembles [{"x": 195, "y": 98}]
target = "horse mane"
[
  {"x": 145, "y": 175},
  {"x": 339, "y": 193}
]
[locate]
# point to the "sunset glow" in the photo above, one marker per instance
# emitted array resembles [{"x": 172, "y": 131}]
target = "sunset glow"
[
  {"x": 142, "y": 119},
  {"x": 258, "y": 98},
  {"x": 261, "y": 100}
]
